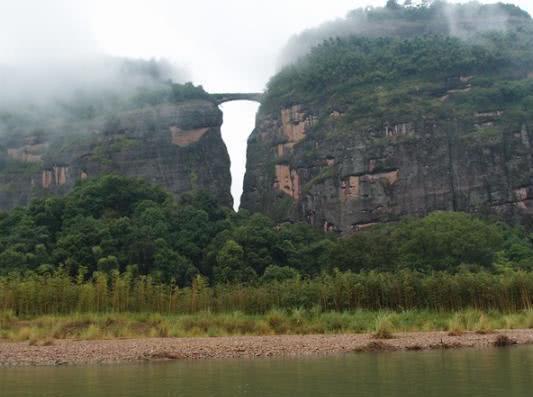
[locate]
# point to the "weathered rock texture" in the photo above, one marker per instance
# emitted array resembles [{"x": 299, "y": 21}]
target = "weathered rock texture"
[
  {"x": 176, "y": 146},
  {"x": 303, "y": 164},
  {"x": 391, "y": 119}
]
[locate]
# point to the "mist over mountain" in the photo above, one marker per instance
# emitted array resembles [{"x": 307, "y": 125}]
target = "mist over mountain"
[
  {"x": 45, "y": 83},
  {"x": 47, "y": 97},
  {"x": 50, "y": 57},
  {"x": 466, "y": 21}
]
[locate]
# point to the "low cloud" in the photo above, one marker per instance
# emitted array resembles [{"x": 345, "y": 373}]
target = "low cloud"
[
  {"x": 47, "y": 53},
  {"x": 459, "y": 20}
]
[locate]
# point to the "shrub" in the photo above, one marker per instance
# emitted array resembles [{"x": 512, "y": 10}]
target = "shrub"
[{"x": 383, "y": 327}]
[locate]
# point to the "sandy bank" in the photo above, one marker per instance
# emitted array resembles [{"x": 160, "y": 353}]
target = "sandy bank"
[{"x": 64, "y": 352}]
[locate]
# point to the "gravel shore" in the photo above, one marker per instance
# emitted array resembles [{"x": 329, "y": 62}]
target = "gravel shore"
[{"x": 68, "y": 352}]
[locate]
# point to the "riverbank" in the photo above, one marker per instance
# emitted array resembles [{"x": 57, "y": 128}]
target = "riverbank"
[{"x": 72, "y": 352}]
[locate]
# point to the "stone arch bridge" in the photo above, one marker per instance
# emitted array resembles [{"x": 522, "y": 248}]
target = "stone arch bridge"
[{"x": 237, "y": 96}]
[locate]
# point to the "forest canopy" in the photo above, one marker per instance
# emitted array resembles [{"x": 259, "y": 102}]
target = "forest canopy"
[{"x": 115, "y": 223}]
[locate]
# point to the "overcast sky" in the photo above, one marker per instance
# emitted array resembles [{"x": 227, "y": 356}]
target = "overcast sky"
[{"x": 226, "y": 45}]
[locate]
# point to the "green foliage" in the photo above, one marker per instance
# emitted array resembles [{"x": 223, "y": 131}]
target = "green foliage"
[
  {"x": 384, "y": 327},
  {"x": 120, "y": 224},
  {"x": 393, "y": 5},
  {"x": 278, "y": 273},
  {"x": 183, "y": 92},
  {"x": 10, "y": 166},
  {"x": 340, "y": 66},
  {"x": 231, "y": 266},
  {"x": 170, "y": 92},
  {"x": 117, "y": 223},
  {"x": 440, "y": 241},
  {"x": 85, "y": 105}
]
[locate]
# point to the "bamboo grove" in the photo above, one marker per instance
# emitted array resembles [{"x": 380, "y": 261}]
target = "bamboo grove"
[{"x": 59, "y": 293}]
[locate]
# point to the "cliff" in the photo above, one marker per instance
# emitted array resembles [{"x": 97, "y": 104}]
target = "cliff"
[
  {"x": 370, "y": 130},
  {"x": 410, "y": 167},
  {"x": 175, "y": 145}
]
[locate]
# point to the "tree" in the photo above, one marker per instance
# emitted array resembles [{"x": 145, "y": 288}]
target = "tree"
[
  {"x": 393, "y": 5},
  {"x": 171, "y": 265},
  {"x": 107, "y": 264},
  {"x": 12, "y": 260},
  {"x": 231, "y": 266},
  {"x": 278, "y": 273}
]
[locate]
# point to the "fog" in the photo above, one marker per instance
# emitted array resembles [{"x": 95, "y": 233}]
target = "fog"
[
  {"x": 48, "y": 51},
  {"x": 464, "y": 21},
  {"x": 229, "y": 45},
  {"x": 44, "y": 82},
  {"x": 225, "y": 45},
  {"x": 50, "y": 48}
]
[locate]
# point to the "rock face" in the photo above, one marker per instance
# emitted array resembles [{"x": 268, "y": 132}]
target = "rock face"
[
  {"x": 176, "y": 146},
  {"x": 301, "y": 167},
  {"x": 392, "y": 121}
]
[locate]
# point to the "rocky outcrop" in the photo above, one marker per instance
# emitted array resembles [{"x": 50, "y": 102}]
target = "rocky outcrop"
[
  {"x": 345, "y": 182},
  {"x": 176, "y": 146}
]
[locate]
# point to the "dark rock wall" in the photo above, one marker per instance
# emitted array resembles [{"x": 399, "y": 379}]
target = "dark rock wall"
[
  {"x": 177, "y": 146},
  {"x": 301, "y": 169}
]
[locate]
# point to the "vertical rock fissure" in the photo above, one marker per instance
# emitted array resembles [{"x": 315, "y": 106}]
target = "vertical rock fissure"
[
  {"x": 239, "y": 121},
  {"x": 527, "y": 142},
  {"x": 506, "y": 171},
  {"x": 450, "y": 162}
]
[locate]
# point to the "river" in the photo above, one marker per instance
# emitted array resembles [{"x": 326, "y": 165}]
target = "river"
[{"x": 451, "y": 373}]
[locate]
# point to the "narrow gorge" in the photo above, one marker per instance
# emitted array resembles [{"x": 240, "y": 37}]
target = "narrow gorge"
[{"x": 365, "y": 129}]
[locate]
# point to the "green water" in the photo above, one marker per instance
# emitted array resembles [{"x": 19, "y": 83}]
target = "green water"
[{"x": 493, "y": 372}]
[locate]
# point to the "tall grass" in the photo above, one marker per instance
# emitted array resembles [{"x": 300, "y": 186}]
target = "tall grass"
[
  {"x": 59, "y": 293},
  {"x": 382, "y": 324},
  {"x": 384, "y": 327}
]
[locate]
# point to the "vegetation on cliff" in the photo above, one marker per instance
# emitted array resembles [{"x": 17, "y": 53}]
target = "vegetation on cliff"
[
  {"x": 367, "y": 76},
  {"x": 470, "y": 21},
  {"x": 60, "y": 116},
  {"x": 64, "y": 116}
]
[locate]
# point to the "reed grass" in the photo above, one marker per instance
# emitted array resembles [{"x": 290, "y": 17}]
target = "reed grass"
[
  {"x": 59, "y": 293},
  {"x": 58, "y": 306},
  {"x": 382, "y": 324}
]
